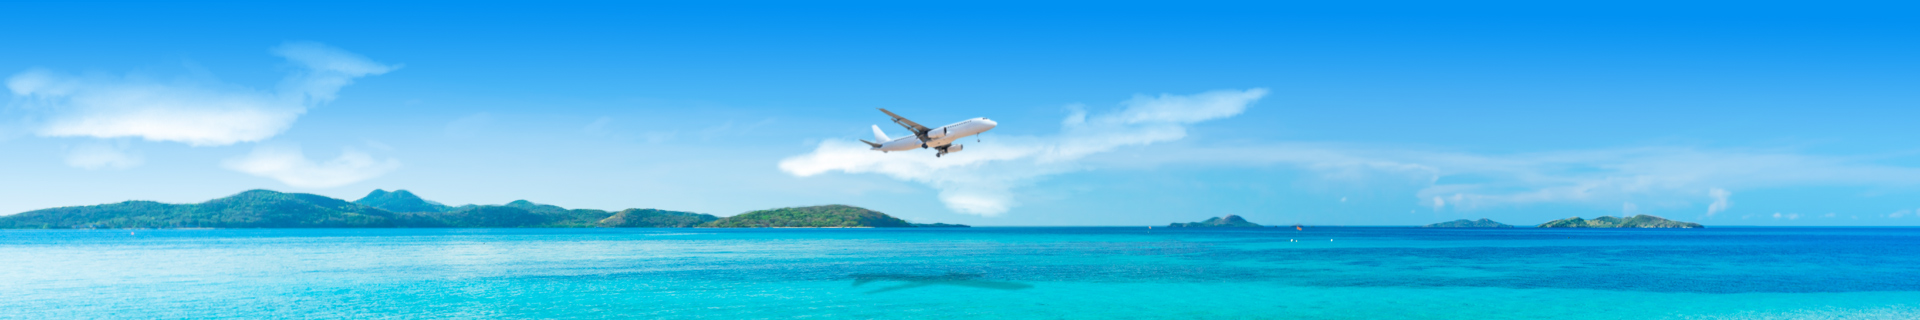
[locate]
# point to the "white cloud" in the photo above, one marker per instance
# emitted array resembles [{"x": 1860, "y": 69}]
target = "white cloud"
[
  {"x": 980, "y": 180},
  {"x": 1829, "y": 215},
  {"x": 327, "y": 70},
  {"x": 1719, "y": 200},
  {"x": 1898, "y": 214},
  {"x": 1661, "y": 176},
  {"x": 1789, "y": 216},
  {"x": 198, "y": 113},
  {"x": 97, "y": 155},
  {"x": 290, "y": 166}
]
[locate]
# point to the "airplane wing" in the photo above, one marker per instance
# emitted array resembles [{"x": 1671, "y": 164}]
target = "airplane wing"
[{"x": 918, "y": 130}]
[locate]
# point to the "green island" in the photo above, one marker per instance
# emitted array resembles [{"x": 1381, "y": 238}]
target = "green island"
[
  {"x": 827, "y": 216},
  {"x": 1227, "y": 221},
  {"x": 1637, "y": 221},
  {"x": 403, "y": 209},
  {"x": 1464, "y": 223}
]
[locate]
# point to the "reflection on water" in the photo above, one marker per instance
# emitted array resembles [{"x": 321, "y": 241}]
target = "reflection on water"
[{"x": 910, "y": 281}]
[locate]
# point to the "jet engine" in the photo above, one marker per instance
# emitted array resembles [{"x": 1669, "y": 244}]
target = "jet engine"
[
  {"x": 936, "y": 133},
  {"x": 951, "y": 148}
]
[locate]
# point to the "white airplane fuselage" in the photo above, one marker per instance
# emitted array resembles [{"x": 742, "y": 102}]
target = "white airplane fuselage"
[{"x": 939, "y": 137}]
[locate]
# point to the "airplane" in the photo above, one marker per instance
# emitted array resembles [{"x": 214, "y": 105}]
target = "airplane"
[{"x": 923, "y": 137}]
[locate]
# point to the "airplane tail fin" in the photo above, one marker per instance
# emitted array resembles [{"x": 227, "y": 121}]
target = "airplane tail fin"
[{"x": 877, "y": 134}]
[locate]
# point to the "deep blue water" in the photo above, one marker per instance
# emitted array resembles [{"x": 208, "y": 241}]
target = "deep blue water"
[{"x": 1041, "y": 273}]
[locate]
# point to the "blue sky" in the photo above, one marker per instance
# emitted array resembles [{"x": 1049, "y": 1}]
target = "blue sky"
[{"x": 1360, "y": 113}]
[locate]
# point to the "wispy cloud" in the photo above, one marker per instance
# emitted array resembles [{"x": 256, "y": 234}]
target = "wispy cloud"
[
  {"x": 1654, "y": 179},
  {"x": 198, "y": 113},
  {"x": 980, "y": 180},
  {"x": 290, "y": 166},
  {"x": 103, "y": 154},
  {"x": 1719, "y": 200},
  {"x": 1662, "y": 175}
]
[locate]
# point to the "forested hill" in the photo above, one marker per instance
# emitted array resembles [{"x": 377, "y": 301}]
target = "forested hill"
[
  {"x": 400, "y": 201},
  {"x": 1638, "y": 221},
  {"x": 1464, "y": 223},
  {"x": 381, "y": 209},
  {"x": 1227, "y": 221},
  {"x": 827, "y": 216},
  {"x": 251, "y": 209}
]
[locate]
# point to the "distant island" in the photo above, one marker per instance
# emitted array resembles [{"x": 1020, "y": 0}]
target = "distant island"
[
  {"x": 828, "y": 216},
  {"x": 403, "y": 209},
  {"x": 1227, "y": 221},
  {"x": 1464, "y": 223},
  {"x": 1638, "y": 221}
]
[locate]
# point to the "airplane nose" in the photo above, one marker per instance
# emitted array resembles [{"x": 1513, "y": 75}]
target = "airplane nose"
[{"x": 989, "y": 122}]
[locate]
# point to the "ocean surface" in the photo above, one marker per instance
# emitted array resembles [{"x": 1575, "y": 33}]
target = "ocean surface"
[{"x": 977, "y": 273}]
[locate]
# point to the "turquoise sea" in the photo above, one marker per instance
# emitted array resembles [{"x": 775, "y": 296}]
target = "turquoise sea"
[{"x": 976, "y": 273}]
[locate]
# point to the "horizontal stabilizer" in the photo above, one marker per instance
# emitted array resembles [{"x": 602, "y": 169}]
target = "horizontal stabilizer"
[{"x": 870, "y": 143}]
